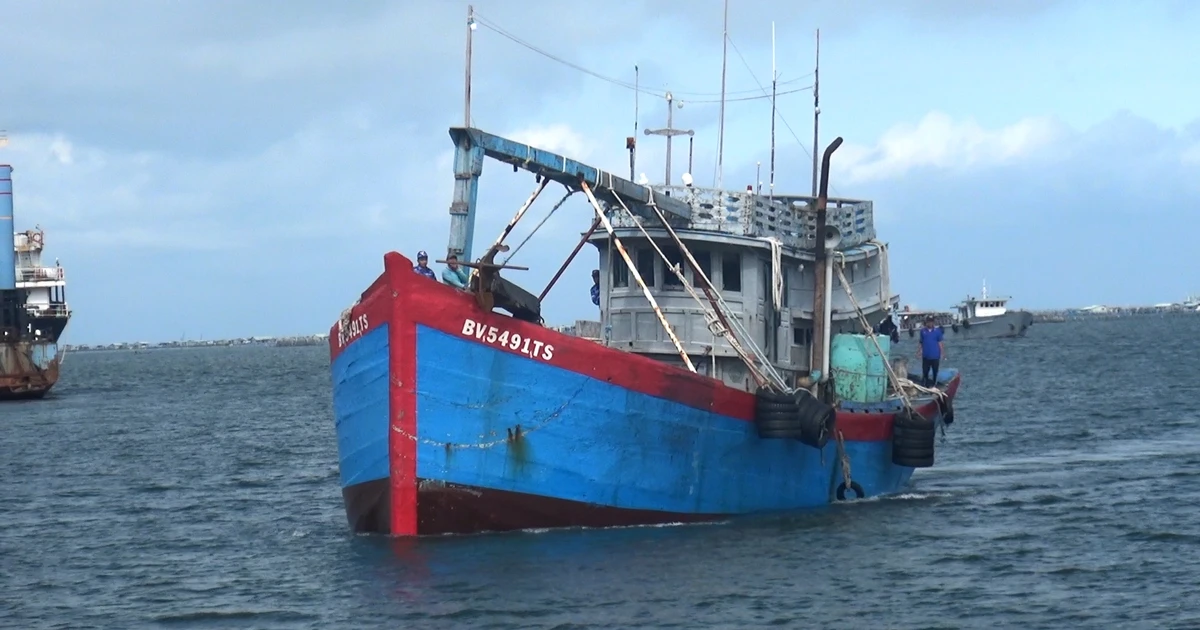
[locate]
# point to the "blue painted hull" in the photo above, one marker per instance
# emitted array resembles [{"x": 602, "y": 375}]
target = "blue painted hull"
[
  {"x": 588, "y": 441},
  {"x": 504, "y": 441}
]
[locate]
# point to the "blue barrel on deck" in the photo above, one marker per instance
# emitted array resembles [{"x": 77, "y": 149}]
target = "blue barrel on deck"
[
  {"x": 8, "y": 240},
  {"x": 859, "y": 372}
]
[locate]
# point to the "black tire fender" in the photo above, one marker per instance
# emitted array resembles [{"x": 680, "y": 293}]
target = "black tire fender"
[{"x": 858, "y": 490}]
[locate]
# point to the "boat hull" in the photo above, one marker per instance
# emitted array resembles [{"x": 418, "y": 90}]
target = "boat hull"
[
  {"x": 451, "y": 419},
  {"x": 28, "y": 370},
  {"x": 1009, "y": 325}
]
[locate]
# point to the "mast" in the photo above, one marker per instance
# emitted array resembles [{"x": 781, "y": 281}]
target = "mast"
[
  {"x": 467, "y": 86},
  {"x": 669, "y": 131},
  {"x": 721, "y": 124},
  {"x": 816, "y": 110},
  {"x": 632, "y": 141},
  {"x": 774, "y": 78}
]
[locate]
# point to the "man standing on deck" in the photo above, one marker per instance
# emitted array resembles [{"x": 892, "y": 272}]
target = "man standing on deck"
[
  {"x": 596, "y": 287},
  {"x": 454, "y": 275},
  {"x": 423, "y": 266},
  {"x": 931, "y": 352}
]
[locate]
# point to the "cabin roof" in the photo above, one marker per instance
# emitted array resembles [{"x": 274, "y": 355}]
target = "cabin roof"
[{"x": 633, "y": 235}]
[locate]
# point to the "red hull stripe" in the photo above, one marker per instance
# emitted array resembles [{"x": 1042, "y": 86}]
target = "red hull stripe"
[
  {"x": 383, "y": 304},
  {"x": 403, "y": 360},
  {"x": 404, "y": 299}
]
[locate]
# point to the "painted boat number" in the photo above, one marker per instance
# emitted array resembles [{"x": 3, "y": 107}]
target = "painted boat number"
[
  {"x": 350, "y": 330},
  {"x": 514, "y": 341}
]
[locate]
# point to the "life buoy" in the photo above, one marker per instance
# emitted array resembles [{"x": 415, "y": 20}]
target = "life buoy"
[{"x": 36, "y": 237}]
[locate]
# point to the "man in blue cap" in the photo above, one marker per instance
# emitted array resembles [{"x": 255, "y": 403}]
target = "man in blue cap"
[{"x": 422, "y": 266}]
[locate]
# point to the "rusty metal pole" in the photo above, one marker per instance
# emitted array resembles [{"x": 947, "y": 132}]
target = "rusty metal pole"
[
  {"x": 821, "y": 323},
  {"x": 567, "y": 262}
]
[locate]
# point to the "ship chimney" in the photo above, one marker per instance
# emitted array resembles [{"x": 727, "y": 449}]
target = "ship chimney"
[{"x": 8, "y": 238}]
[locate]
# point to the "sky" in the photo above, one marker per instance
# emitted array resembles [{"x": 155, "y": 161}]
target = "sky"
[{"x": 224, "y": 169}]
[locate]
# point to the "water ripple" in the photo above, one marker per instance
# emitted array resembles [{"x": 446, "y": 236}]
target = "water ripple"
[{"x": 199, "y": 489}]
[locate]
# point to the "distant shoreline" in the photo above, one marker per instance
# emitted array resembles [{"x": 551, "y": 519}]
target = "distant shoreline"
[
  {"x": 306, "y": 340},
  {"x": 1040, "y": 316}
]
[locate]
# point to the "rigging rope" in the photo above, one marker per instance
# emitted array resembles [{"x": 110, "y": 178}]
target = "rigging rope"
[
  {"x": 776, "y": 270},
  {"x": 714, "y": 324},
  {"x": 844, "y": 458},
  {"x": 885, "y": 275},
  {"x": 772, "y": 375},
  {"x": 485, "y": 22},
  {"x": 538, "y": 226},
  {"x": 637, "y": 276}
]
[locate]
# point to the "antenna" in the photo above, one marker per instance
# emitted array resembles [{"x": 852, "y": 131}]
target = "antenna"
[
  {"x": 721, "y": 125},
  {"x": 816, "y": 109},
  {"x": 774, "y": 78},
  {"x": 467, "y": 89},
  {"x": 669, "y": 131}
]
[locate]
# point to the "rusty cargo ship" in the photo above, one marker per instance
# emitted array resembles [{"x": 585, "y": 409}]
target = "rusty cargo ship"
[{"x": 33, "y": 307}]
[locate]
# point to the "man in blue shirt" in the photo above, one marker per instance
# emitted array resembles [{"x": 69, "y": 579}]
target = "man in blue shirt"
[
  {"x": 423, "y": 265},
  {"x": 931, "y": 352},
  {"x": 596, "y": 287},
  {"x": 454, "y": 275}
]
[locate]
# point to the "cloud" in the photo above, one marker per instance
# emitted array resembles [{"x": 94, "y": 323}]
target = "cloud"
[
  {"x": 1072, "y": 217},
  {"x": 555, "y": 137},
  {"x": 940, "y": 142},
  {"x": 251, "y": 155},
  {"x": 1191, "y": 157},
  {"x": 306, "y": 185}
]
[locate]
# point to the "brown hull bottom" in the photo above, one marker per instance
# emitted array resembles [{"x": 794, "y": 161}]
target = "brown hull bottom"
[
  {"x": 453, "y": 509},
  {"x": 12, "y": 391},
  {"x": 20, "y": 378}
]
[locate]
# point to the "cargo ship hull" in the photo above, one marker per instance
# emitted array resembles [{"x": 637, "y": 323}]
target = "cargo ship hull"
[
  {"x": 28, "y": 370},
  {"x": 453, "y": 419}
]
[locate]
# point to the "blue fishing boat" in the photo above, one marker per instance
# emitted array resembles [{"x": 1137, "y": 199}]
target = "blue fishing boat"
[
  {"x": 734, "y": 369},
  {"x": 455, "y": 418}
]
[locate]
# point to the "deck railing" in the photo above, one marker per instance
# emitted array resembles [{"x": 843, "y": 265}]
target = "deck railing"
[
  {"x": 40, "y": 274},
  {"x": 48, "y": 310}
]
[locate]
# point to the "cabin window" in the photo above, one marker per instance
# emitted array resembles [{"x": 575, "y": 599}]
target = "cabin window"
[
  {"x": 704, "y": 260},
  {"x": 731, "y": 271},
  {"x": 645, "y": 265},
  {"x": 801, "y": 335},
  {"x": 673, "y": 257},
  {"x": 768, "y": 289},
  {"x": 620, "y": 271}
]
